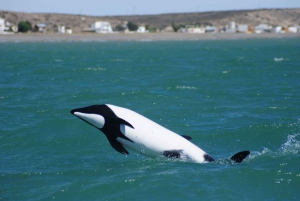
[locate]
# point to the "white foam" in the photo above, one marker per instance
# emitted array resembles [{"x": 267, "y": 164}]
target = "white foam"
[
  {"x": 185, "y": 87},
  {"x": 278, "y": 59},
  {"x": 292, "y": 145}
]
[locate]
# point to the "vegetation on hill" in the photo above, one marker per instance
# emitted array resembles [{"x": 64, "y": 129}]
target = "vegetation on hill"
[{"x": 24, "y": 26}]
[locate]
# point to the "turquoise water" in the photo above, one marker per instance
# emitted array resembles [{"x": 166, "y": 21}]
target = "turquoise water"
[{"x": 228, "y": 96}]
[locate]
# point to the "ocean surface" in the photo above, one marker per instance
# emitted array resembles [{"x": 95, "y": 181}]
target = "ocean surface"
[{"x": 228, "y": 95}]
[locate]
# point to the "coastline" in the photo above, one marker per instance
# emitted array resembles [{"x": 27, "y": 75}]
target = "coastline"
[{"x": 93, "y": 37}]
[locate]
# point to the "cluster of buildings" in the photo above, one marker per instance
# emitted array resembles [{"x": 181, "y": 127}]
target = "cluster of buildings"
[
  {"x": 239, "y": 28},
  {"x": 105, "y": 27},
  {"x": 9, "y": 28}
]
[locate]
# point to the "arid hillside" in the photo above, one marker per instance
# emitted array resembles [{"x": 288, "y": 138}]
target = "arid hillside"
[{"x": 282, "y": 17}]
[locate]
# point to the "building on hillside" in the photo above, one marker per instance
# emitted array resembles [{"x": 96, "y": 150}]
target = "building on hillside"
[
  {"x": 69, "y": 30},
  {"x": 230, "y": 28},
  {"x": 2, "y": 25},
  {"x": 61, "y": 29},
  {"x": 4, "y": 29},
  {"x": 242, "y": 28},
  {"x": 262, "y": 28},
  {"x": 102, "y": 27},
  {"x": 199, "y": 30},
  {"x": 292, "y": 29},
  {"x": 141, "y": 29},
  {"x": 210, "y": 29},
  {"x": 41, "y": 27},
  {"x": 278, "y": 29},
  {"x": 191, "y": 29}
]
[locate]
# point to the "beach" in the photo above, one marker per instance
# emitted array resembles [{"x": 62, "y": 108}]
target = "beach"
[{"x": 85, "y": 37}]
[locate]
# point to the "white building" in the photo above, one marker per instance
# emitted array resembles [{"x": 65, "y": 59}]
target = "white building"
[
  {"x": 210, "y": 29},
  {"x": 231, "y": 28},
  {"x": 261, "y": 28},
  {"x": 141, "y": 29},
  {"x": 102, "y": 27},
  {"x": 292, "y": 29},
  {"x": 199, "y": 30},
  {"x": 278, "y": 29},
  {"x": 40, "y": 27},
  {"x": 69, "y": 31},
  {"x": 3, "y": 28},
  {"x": 61, "y": 29},
  {"x": 2, "y": 25},
  {"x": 242, "y": 28}
]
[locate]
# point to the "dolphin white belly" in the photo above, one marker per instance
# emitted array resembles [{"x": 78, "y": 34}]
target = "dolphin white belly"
[{"x": 152, "y": 139}]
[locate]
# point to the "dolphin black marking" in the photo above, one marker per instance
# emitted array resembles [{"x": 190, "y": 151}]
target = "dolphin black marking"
[
  {"x": 172, "y": 153},
  {"x": 208, "y": 158}
]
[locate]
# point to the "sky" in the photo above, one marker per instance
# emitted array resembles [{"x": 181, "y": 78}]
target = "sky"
[{"x": 138, "y": 7}]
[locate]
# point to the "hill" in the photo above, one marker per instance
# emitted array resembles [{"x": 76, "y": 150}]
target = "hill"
[{"x": 283, "y": 17}]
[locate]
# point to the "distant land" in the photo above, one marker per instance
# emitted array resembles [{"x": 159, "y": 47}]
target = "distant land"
[{"x": 274, "y": 17}]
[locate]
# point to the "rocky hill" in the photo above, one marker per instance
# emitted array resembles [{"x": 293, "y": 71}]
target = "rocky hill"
[{"x": 283, "y": 17}]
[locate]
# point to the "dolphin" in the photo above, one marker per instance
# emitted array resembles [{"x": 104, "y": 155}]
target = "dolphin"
[{"x": 125, "y": 128}]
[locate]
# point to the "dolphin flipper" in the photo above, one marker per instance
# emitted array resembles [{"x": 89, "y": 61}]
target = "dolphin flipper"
[
  {"x": 239, "y": 157},
  {"x": 117, "y": 146}
]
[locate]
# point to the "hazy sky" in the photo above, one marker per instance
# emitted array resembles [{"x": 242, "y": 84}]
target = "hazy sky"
[{"x": 139, "y": 7}]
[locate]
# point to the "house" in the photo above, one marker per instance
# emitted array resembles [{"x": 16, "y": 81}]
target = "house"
[
  {"x": 230, "y": 28},
  {"x": 141, "y": 29},
  {"x": 200, "y": 30},
  {"x": 41, "y": 27},
  {"x": 242, "y": 28},
  {"x": 102, "y": 27},
  {"x": 292, "y": 29},
  {"x": 262, "y": 28},
  {"x": 278, "y": 29},
  {"x": 69, "y": 30},
  {"x": 61, "y": 29},
  {"x": 2, "y": 25},
  {"x": 4, "y": 29},
  {"x": 210, "y": 29}
]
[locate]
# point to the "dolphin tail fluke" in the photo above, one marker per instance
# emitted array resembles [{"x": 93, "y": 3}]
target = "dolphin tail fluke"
[{"x": 240, "y": 156}]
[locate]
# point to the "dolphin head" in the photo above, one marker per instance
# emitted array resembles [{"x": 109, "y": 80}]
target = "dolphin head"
[{"x": 94, "y": 115}]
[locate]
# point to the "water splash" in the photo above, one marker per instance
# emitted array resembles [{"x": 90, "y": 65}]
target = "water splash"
[{"x": 292, "y": 145}]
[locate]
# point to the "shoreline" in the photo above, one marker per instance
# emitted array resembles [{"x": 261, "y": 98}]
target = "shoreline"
[{"x": 94, "y": 37}]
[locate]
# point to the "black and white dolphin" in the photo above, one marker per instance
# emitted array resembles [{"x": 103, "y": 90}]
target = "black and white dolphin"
[{"x": 126, "y": 128}]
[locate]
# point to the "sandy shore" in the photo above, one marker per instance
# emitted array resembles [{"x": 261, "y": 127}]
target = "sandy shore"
[{"x": 35, "y": 37}]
